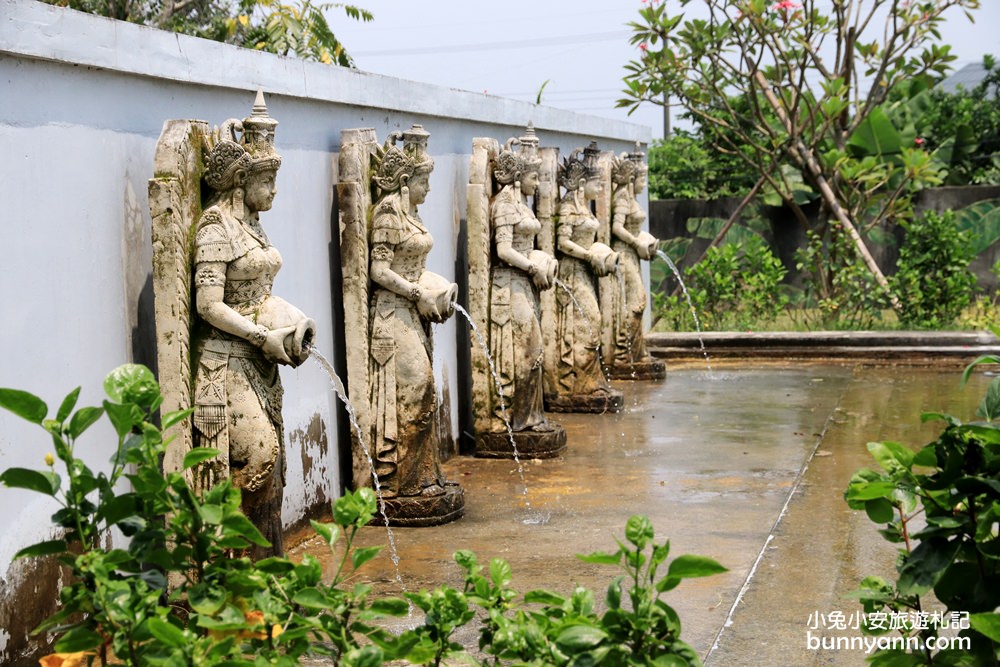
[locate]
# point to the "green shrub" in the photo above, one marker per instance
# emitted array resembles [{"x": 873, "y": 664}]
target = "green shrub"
[
  {"x": 933, "y": 280},
  {"x": 222, "y": 609},
  {"x": 942, "y": 505},
  {"x": 839, "y": 292},
  {"x": 737, "y": 286},
  {"x": 687, "y": 166}
]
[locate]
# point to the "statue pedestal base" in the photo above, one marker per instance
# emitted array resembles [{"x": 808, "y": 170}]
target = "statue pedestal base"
[
  {"x": 425, "y": 510},
  {"x": 530, "y": 444},
  {"x": 601, "y": 401},
  {"x": 648, "y": 369}
]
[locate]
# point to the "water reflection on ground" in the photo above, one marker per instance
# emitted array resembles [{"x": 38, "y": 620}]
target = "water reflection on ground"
[{"x": 746, "y": 465}]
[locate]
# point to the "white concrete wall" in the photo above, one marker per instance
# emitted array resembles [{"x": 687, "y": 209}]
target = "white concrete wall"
[{"x": 82, "y": 102}]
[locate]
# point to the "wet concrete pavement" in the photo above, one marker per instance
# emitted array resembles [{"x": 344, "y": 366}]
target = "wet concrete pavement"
[{"x": 744, "y": 464}]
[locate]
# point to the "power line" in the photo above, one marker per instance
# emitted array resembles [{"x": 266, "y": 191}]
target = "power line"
[{"x": 500, "y": 46}]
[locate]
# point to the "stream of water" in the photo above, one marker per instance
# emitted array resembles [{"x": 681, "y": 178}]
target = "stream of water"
[
  {"x": 503, "y": 409},
  {"x": 694, "y": 313},
  {"x": 341, "y": 392}
]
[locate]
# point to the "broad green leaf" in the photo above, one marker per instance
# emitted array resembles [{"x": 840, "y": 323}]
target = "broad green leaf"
[
  {"x": 982, "y": 221},
  {"x": 197, "y": 455},
  {"x": 328, "y": 531},
  {"x": 541, "y": 596},
  {"x": 639, "y": 530},
  {"x": 601, "y": 558},
  {"x": 312, "y": 599},
  {"x": 577, "y": 638},
  {"x": 875, "y": 136},
  {"x": 46, "y": 548},
  {"x": 880, "y": 510},
  {"x": 862, "y": 491},
  {"x": 500, "y": 572},
  {"x": 206, "y": 598},
  {"x": 175, "y": 417},
  {"x": 77, "y": 640},
  {"x": 230, "y": 618},
  {"x": 67, "y": 405},
  {"x": 365, "y": 656},
  {"x": 892, "y": 456},
  {"x": 667, "y": 583},
  {"x": 614, "y": 596},
  {"x": 245, "y": 528},
  {"x": 362, "y": 555},
  {"x": 83, "y": 419},
  {"x": 132, "y": 383},
  {"x": 689, "y": 566},
  {"x": 989, "y": 409},
  {"x": 118, "y": 508},
  {"x": 987, "y": 624},
  {"x": 123, "y": 417},
  {"x": 925, "y": 565},
  {"x": 390, "y": 606},
  {"x": 986, "y": 434},
  {"x": 275, "y": 565},
  {"x": 23, "y": 404},
  {"x": 167, "y": 633},
  {"x": 41, "y": 481}
]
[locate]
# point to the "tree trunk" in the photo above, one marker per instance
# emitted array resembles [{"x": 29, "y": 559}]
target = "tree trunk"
[{"x": 807, "y": 159}]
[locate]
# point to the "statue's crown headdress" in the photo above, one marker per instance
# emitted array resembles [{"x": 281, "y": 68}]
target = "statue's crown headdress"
[
  {"x": 580, "y": 165},
  {"x": 509, "y": 164},
  {"x": 627, "y": 166},
  {"x": 394, "y": 165},
  {"x": 246, "y": 145}
]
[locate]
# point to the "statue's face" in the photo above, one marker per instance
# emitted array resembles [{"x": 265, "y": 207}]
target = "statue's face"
[
  {"x": 260, "y": 190},
  {"x": 419, "y": 185},
  {"x": 529, "y": 182},
  {"x": 640, "y": 181},
  {"x": 592, "y": 188}
]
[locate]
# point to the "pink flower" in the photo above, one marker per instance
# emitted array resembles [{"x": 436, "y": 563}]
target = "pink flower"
[
  {"x": 919, "y": 141},
  {"x": 643, "y": 47},
  {"x": 786, "y": 5}
]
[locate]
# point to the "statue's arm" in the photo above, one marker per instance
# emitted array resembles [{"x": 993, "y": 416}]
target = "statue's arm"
[
  {"x": 621, "y": 210},
  {"x": 504, "y": 218},
  {"x": 383, "y": 275},
  {"x": 564, "y": 240},
  {"x": 209, "y": 292}
]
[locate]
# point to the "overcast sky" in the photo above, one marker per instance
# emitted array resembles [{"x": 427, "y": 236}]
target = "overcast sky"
[{"x": 511, "y": 47}]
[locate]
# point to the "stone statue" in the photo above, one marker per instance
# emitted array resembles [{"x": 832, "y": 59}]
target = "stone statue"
[
  {"x": 506, "y": 274},
  {"x": 239, "y": 332},
  {"x": 397, "y": 386},
  {"x": 627, "y": 357},
  {"x": 576, "y": 381}
]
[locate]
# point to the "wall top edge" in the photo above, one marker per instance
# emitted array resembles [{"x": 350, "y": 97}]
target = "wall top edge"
[{"x": 33, "y": 29}]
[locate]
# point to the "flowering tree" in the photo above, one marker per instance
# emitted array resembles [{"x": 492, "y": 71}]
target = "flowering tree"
[{"x": 800, "y": 91}]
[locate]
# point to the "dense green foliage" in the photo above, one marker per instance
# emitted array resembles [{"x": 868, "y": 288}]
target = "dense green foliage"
[
  {"x": 686, "y": 166},
  {"x": 300, "y": 29},
  {"x": 963, "y": 129},
  {"x": 737, "y": 286},
  {"x": 183, "y": 593},
  {"x": 941, "y": 504},
  {"x": 932, "y": 277},
  {"x": 838, "y": 293}
]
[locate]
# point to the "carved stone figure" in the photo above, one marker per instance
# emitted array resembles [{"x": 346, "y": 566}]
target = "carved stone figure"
[
  {"x": 506, "y": 274},
  {"x": 576, "y": 381},
  {"x": 394, "y": 384},
  {"x": 237, "y": 332},
  {"x": 626, "y": 301}
]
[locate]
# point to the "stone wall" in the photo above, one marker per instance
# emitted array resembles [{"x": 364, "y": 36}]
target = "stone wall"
[{"x": 83, "y": 102}]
